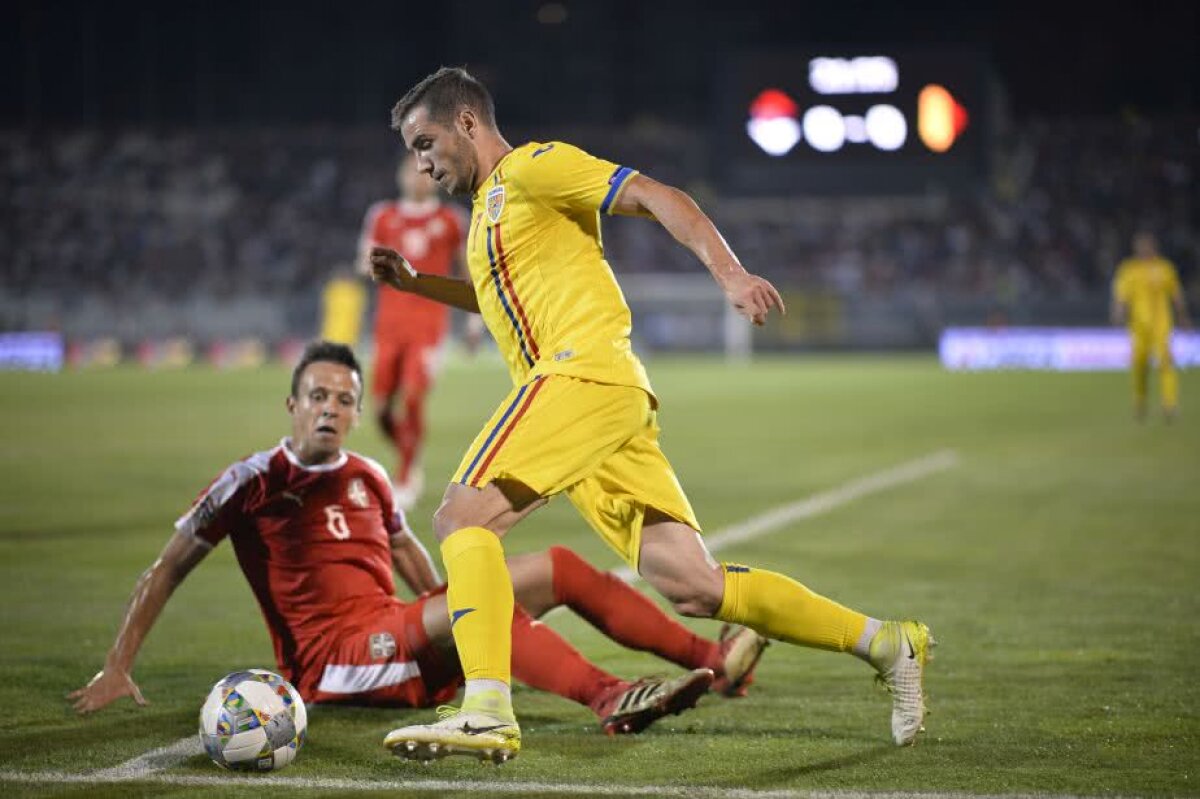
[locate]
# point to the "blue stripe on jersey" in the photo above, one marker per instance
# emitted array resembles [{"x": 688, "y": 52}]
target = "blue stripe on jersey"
[
  {"x": 492, "y": 435},
  {"x": 504, "y": 299},
  {"x": 619, "y": 176}
]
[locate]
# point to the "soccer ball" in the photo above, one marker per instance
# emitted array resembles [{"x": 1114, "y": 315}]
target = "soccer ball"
[{"x": 253, "y": 720}]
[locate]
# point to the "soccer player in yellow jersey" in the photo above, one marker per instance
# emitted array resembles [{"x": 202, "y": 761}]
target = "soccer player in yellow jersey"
[
  {"x": 581, "y": 418},
  {"x": 343, "y": 300},
  {"x": 1144, "y": 290}
]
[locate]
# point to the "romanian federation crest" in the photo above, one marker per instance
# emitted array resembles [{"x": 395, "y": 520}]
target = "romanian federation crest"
[{"x": 495, "y": 203}]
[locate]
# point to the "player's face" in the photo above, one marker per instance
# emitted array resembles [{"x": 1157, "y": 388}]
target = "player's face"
[
  {"x": 414, "y": 185},
  {"x": 325, "y": 408},
  {"x": 444, "y": 152},
  {"x": 1144, "y": 246}
]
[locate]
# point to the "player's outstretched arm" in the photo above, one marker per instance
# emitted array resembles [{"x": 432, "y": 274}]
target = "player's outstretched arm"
[
  {"x": 1116, "y": 312},
  {"x": 391, "y": 268},
  {"x": 150, "y": 594},
  {"x": 1181, "y": 313},
  {"x": 751, "y": 295},
  {"x": 413, "y": 563}
]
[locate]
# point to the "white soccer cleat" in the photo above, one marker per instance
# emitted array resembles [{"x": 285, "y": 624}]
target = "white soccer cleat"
[
  {"x": 457, "y": 732},
  {"x": 741, "y": 649},
  {"x": 899, "y": 652}
]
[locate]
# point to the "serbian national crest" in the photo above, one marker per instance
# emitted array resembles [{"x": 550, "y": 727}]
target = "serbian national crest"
[
  {"x": 357, "y": 493},
  {"x": 495, "y": 203}
]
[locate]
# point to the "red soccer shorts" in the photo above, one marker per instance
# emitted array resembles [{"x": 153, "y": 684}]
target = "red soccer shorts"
[
  {"x": 385, "y": 660},
  {"x": 404, "y": 366}
]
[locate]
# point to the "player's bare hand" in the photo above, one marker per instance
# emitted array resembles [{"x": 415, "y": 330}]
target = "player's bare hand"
[
  {"x": 753, "y": 297},
  {"x": 390, "y": 267},
  {"x": 104, "y": 689}
]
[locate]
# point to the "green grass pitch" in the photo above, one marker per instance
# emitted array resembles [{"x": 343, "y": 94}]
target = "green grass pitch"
[{"x": 1057, "y": 564}]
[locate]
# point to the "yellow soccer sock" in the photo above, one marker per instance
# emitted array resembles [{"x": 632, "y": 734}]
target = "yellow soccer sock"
[
  {"x": 779, "y": 607},
  {"x": 480, "y": 601},
  {"x": 1169, "y": 378},
  {"x": 1141, "y": 379}
]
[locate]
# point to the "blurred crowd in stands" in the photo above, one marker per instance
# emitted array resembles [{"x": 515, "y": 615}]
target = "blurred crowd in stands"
[{"x": 125, "y": 221}]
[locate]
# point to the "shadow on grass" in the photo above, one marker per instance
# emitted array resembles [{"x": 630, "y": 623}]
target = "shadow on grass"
[{"x": 787, "y": 775}]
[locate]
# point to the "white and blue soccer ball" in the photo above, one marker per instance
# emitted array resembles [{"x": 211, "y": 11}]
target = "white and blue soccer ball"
[{"x": 253, "y": 720}]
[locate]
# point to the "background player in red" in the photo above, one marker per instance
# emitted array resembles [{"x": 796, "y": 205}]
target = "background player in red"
[
  {"x": 409, "y": 330},
  {"x": 317, "y": 535}
]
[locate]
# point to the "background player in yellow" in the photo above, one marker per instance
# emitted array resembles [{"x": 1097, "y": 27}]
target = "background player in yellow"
[
  {"x": 582, "y": 416},
  {"x": 343, "y": 300},
  {"x": 1145, "y": 290}
]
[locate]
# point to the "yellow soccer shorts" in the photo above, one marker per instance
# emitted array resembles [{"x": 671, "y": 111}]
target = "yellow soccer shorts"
[
  {"x": 594, "y": 441},
  {"x": 1151, "y": 341}
]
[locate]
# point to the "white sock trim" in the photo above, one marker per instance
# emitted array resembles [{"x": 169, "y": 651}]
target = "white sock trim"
[
  {"x": 481, "y": 686},
  {"x": 862, "y": 647}
]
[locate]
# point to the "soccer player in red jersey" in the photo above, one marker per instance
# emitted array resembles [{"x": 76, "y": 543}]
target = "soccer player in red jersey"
[
  {"x": 409, "y": 330},
  {"x": 317, "y": 535}
]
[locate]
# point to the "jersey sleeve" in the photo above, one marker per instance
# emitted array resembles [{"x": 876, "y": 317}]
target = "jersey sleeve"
[
  {"x": 1174, "y": 290},
  {"x": 221, "y": 509},
  {"x": 394, "y": 521},
  {"x": 456, "y": 223},
  {"x": 1121, "y": 285},
  {"x": 565, "y": 177},
  {"x": 370, "y": 228}
]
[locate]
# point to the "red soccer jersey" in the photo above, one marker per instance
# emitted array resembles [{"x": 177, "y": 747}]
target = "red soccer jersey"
[
  {"x": 313, "y": 542},
  {"x": 428, "y": 235}
]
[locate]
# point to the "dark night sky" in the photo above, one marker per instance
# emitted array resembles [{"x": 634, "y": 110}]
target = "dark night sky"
[{"x": 70, "y": 62}]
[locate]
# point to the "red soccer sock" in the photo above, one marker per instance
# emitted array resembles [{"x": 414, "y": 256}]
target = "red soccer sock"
[
  {"x": 626, "y": 615},
  {"x": 387, "y": 423},
  {"x": 410, "y": 434},
  {"x": 542, "y": 659}
]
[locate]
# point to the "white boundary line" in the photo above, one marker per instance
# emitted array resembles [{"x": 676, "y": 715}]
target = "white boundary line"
[
  {"x": 146, "y": 765},
  {"x": 150, "y": 762},
  {"x": 495, "y": 787}
]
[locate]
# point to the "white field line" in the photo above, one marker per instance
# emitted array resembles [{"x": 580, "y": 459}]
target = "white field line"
[
  {"x": 822, "y": 503},
  {"x": 150, "y": 762},
  {"x": 769, "y": 521},
  {"x": 490, "y": 787}
]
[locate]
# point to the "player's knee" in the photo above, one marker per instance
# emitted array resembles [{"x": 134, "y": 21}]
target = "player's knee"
[
  {"x": 447, "y": 519},
  {"x": 458, "y": 513}
]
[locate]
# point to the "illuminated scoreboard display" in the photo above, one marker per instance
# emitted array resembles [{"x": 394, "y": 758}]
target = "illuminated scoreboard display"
[{"x": 851, "y": 121}]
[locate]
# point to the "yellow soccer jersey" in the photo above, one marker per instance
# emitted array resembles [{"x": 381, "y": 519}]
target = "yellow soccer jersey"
[
  {"x": 1146, "y": 287},
  {"x": 537, "y": 263},
  {"x": 342, "y": 302}
]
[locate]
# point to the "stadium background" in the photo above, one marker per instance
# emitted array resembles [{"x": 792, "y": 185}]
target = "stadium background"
[
  {"x": 178, "y": 181},
  {"x": 199, "y": 171}
]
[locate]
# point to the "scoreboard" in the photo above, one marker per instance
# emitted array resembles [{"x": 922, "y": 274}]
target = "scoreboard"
[{"x": 851, "y": 121}]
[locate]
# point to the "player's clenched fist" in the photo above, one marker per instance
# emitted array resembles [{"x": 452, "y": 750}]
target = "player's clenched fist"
[{"x": 390, "y": 267}]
